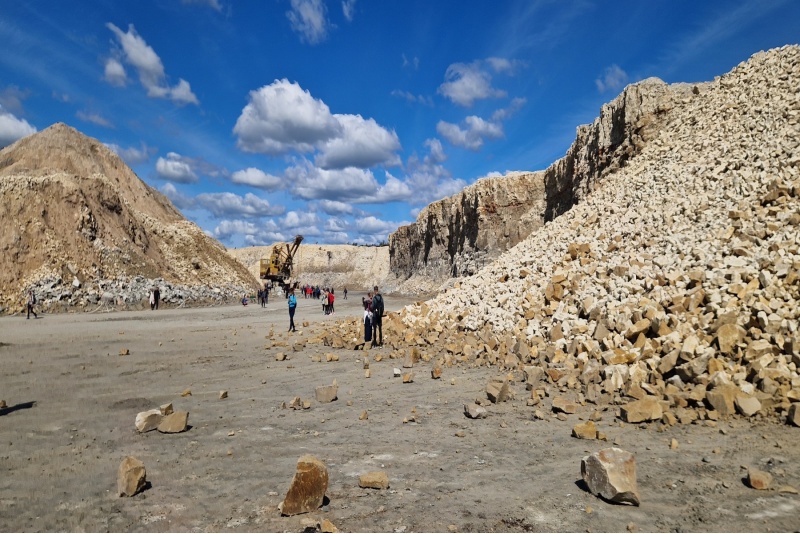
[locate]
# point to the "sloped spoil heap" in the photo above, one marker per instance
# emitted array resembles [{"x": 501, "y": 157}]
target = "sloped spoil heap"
[
  {"x": 456, "y": 236},
  {"x": 80, "y": 224},
  {"x": 677, "y": 280}
]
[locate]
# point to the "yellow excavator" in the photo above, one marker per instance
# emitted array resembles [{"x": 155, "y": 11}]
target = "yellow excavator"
[{"x": 278, "y": 268}]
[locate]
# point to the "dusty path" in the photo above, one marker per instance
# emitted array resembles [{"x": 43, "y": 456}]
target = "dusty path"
[{"x": 72, "y": 400}]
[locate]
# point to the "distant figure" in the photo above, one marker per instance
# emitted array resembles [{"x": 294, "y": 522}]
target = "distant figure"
[
  {"x": 157, "y": 295},
  {"x": 325, "y": 302},
  {"x": 244, "y": 299},
  {"x": 331, "y": 298},
  {"x": 292, "y": 307},
  {"x": 377, "y": 318},
  {"x": 266, "y": 293},
  {"x": 152, "y": 299},
  {"x": 30, "y": 302},
  {"x": 367, "y": 319},
  {"x": 345, "y": 293}
]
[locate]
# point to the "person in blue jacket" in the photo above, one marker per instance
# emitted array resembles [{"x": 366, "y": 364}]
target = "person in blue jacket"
[{"x": 292, "y": 307}]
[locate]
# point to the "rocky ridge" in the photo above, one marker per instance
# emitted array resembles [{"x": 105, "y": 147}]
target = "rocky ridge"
[
  {"x": 458, "y": 235},
  {"x": 80, "y": 221},
  {"x": 672, "y": 289}
]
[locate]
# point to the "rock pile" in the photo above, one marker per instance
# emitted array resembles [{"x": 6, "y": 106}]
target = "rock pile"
[{"x": 672, "y": 289}]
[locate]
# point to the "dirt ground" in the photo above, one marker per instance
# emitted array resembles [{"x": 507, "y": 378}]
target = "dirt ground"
[{"x": 72, "y": 400}]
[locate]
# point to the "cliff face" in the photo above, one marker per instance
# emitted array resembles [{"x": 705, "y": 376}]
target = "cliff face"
[
  {"x": 455, "y": 236},
  {"x": 76, "y": 213}
]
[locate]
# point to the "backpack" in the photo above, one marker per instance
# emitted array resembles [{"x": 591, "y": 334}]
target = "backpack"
[
  {"x": 33, "y": 298},
  {"x": 377, "y": 305}
]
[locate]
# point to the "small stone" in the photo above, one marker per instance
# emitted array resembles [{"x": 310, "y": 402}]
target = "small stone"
[
  {"x": 473, "y": 411},
  {"x": 174, "y": 423},
  {"x": 631, "y": 527},
  {"x": 3, "y": 405},
  {"x": 124, "y": 352},
  {"x": 408, "y": 378},
  {"x": 367, "y": 373},
  {"x": 560, "y": 404},
  {"x": 436, "y": 373},
  {"x": 186, "y": 393},
  {"x": 460, "y": 434},
  {"x": 327, "y": 526},
  {"x": 326, "y": 393},
  {"x": 397, "y": 372},
  {"x": 308, "y": 487},
  {"x": 231, "y": 434},
  {"x": 673, "y": 444},
  {"x": 131, "y": 477},
  {"x": 647, "y": 409},
  {"x": 306, "y": 404},
  {"x": 758, "y": 479},
  {"x": 793, "y": 416},
  {"x": 374, "y": 480},
  {"x": 330, "y": 357},
  {"x": 309, "y": 524},
  {"x": 280, "y": 357},
  {"x": 611, "y": 474},
  {"x": 585, "y": 430},
  {"x": 497, "y": 390},
  {"x": 149, "y": 420},
  {"x": 364, "y": 416},
  {"x": 223, "y": 394},
  {"x": 788, "y": 489}
]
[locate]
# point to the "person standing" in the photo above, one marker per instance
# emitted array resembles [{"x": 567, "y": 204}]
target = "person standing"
[
  {"x": 152, "y": 299},
  {"x": 345, "y": 293},
  {"x": 292, "y": 307},
  {"x": 157, "y": 295},
  {"x": 30, "y": 302},
  {"x": 331, "y": 298},
  {"x": 377, "y": 318}
]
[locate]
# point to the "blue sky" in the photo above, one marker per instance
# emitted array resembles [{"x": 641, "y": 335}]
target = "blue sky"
[{"x": 340, "y": 120}]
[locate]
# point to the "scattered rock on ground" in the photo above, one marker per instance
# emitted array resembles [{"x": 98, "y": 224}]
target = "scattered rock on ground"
[
  {"x": 307, "y": 488},
  {"x": 611, "y": 474}
]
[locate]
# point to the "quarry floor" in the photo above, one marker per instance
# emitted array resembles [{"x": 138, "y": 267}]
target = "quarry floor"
[{"x": 72, "y": 400}]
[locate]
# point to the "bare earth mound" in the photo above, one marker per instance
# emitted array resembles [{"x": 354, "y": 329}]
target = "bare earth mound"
[{"x": 77, "y": 216}]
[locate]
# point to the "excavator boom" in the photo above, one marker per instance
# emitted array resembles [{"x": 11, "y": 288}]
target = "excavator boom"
[{"x": 278, "y": 267}]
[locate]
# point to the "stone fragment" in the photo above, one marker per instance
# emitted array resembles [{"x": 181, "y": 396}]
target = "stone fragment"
[
  {"x": 473, "y": 411},
  {"x": 367, "y": 373},
  {"x": 646, "y": 409},
  {"x": 747, "y": 405},
  {"x": 585, "y": 430},
  {"x": 3, "y": 405},
  {"x": 308, "y": 487},
  {"x": 758, "y": 479},
  {"x": 364, "y": 416},
  {"x": 223, "y": 394},
  {"x": 560, "y": 404},
  {"x": 408, "y": 378},
  {"x": 436, "y": 373},
  {"x": 186, "y": 393},
  {"x": 280, "y": 357},
  {"x": 149, "y": 420},
  {"x": 166, "y": 409},
  {"x": 728, "y": 335},
  {"x": 673, "y": 444},
  {"x": 174, "y": 423},
  {"x": 131, "y": 477},
  {"x": 330, "y": 357},
  {"x": 722, "y": 399},
  {"x": 326, "y": 393},
  {"x": 611, "y": 474},
  {"x": 397, "y": 373},
  {"x": 497, "y": 390},
  {"x": 374, "y": 480},
  {"x": 124, "y": 352},
  {"x": 793, "y": 416},
  {"x": 327, "y": 526}
]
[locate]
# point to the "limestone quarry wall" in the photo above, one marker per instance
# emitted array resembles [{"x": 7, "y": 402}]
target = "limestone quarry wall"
[
  {"x": 336, "y": 266},
  {"x": 456, "y": 236}
]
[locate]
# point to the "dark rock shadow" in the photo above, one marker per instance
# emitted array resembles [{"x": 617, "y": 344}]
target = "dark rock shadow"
[{"x": 20, "y": 406}]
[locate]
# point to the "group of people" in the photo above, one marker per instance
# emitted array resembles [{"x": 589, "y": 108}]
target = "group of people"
[
  {"x": 263, "y": 295},
  {"x": 374, "y": 308},
  {"x": 317, "y": 292}
]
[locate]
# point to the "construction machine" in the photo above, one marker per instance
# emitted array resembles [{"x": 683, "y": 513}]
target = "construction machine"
[{"x": 278, "y": 268}]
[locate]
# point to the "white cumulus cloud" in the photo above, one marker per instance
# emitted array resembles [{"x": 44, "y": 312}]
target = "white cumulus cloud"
[
  {"x": 348, "y": 8},
  {"x": 13, "y": 128},
  {"x": 137, "y": 53},
  {"x": 176, "y": 168},
  {"x": 233, "y": 205},
  {"x": 471, "y": 136},
  {"x": 257, "y": 178},
  {"x": 132, "y": 155},
  {"x": 283, "y": 117},
  {"x": 466, "y": 83}
]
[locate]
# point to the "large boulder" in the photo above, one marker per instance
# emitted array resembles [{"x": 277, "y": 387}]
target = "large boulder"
[
  {"x": 611, "y": 474},
  {"x": 308, "y": 487}
]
